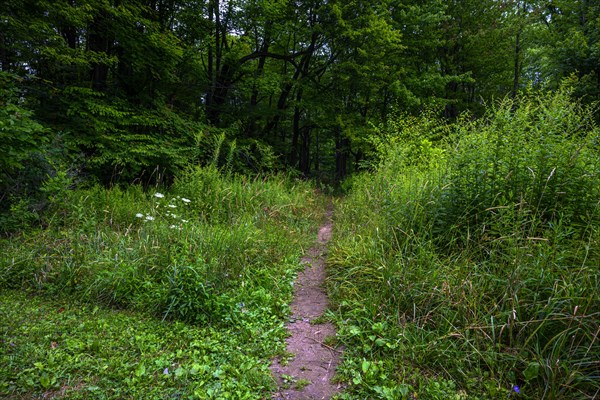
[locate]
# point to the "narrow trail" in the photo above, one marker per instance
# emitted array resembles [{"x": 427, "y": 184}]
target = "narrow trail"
[{"x": 308, "y": 374}]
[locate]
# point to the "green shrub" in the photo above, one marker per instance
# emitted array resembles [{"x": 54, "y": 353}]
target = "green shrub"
[
  {"x": 24, "y": 140},
  {"x": 529, "y": 164}
]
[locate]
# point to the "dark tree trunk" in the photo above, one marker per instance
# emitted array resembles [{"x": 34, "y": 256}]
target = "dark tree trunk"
[
  {"x": 281, "y": 104},
  {"x": 317, "y": 152},
  {"x": 3, "y": 53},
  {"x": 517, "y": 70},
  {"x": 295, "y": 135},
  {"x": 220, "y": 70},
  {"x": 98, "y": 41},
  {"x": 301, "y": 70},
  {"x": 259, "y": 72},
  {"x": 219, "y": 92},
  {"x": 305, "y": 151},
  {"x": 70, "y": 36},
  {"x": 517, "y": 66},
  {"x": 251, "y": 129},
  {"x": 342, "y": 145},
  {"x": 451, "y": 110},
  {"x": 209, "y": 66}
]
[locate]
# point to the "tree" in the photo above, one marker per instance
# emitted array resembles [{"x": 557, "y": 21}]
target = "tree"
[{"x": 568, "y": 43}]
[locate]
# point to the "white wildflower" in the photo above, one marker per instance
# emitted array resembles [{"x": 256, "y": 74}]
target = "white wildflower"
[
  {"x": 184, "y": 220},
  {"x": 173, "y": 227},
  {"x": 139, "y": 215},
  {"x": 149, "y": 217},
  {"x": 185, "y": 200},
  {"x": 159, "y": 195},
  {"x": 172, "y": 206}
]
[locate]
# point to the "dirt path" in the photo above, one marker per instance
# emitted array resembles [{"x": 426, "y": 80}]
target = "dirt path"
[{"x": 308, "y": 374}]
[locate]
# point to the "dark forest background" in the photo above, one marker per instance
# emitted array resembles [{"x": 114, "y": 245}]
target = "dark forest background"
[{"x": 125, "y": 91}]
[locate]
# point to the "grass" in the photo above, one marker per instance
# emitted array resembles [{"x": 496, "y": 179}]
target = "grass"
[
  {"x": 301, "y": 384},
  {"x": 53, "y": 348},
  {"x": 468, "y": 269},
  {"x": 125, "y": 292}
]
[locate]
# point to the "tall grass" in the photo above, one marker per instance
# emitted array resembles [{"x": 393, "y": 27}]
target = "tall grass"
[
  {"x": 208, "y": 250},
  {"x": 475, "y": 274}
]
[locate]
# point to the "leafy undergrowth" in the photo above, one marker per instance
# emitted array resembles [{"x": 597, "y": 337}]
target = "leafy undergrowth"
[
  {"x": 217, "y": 254},
  {"x": 470, "y": 270},
  {"x": 55, "y": 348}
]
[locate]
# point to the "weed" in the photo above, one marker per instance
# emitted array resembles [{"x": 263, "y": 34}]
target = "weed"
[
  {"x": 319, "y": 320},
  {"x": 301, "y": 384},
  {"x": 285, "y": 357},
  {"x": 288, "y": 380},
  {"x": 331, "y": 341}
]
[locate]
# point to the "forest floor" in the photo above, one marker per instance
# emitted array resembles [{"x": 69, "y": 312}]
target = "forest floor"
[{"x": 308, "y": 371}]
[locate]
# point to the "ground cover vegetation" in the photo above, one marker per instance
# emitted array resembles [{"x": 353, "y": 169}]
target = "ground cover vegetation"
[
  {"x": 468, "y": 267},
  {"x": 154, "y": 294}
]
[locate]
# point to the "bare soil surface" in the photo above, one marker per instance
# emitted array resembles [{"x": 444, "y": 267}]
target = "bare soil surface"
[{"x": 308, "y": 374}]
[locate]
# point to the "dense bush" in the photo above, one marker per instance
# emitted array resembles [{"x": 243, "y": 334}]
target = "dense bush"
[
  {"x": 530, "y": 164},
  {"x": 475, "y": 274},
  {"x": 23, "y": 140}
]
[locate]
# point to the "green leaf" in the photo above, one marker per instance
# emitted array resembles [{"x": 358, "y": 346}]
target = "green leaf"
[
  {"x": 45, "y": 380},
  {"x": 140, "y": 370},
  {"x": 532, "y": 371},
  {"x": 365, "y": 366}
]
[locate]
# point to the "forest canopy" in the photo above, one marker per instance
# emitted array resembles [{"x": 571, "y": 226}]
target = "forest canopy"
[{"x": 118, "y": 91}]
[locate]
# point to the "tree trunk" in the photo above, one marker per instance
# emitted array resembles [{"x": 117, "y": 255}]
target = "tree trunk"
[
  {"x": 305, "y": 151},
  {"x": 517, "y": 71},
  {"x": 341, "y": 155},
  {"x": 251, "y": 129},
  {"x": 3, "y": 53},
  {"x": 317, "y": 152},
  {"x": 98, "y": 41},
  {"x": 295, "y": 134},
  {"x": 517, "y": 66},
  {"x": 264, "y": 48}
]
